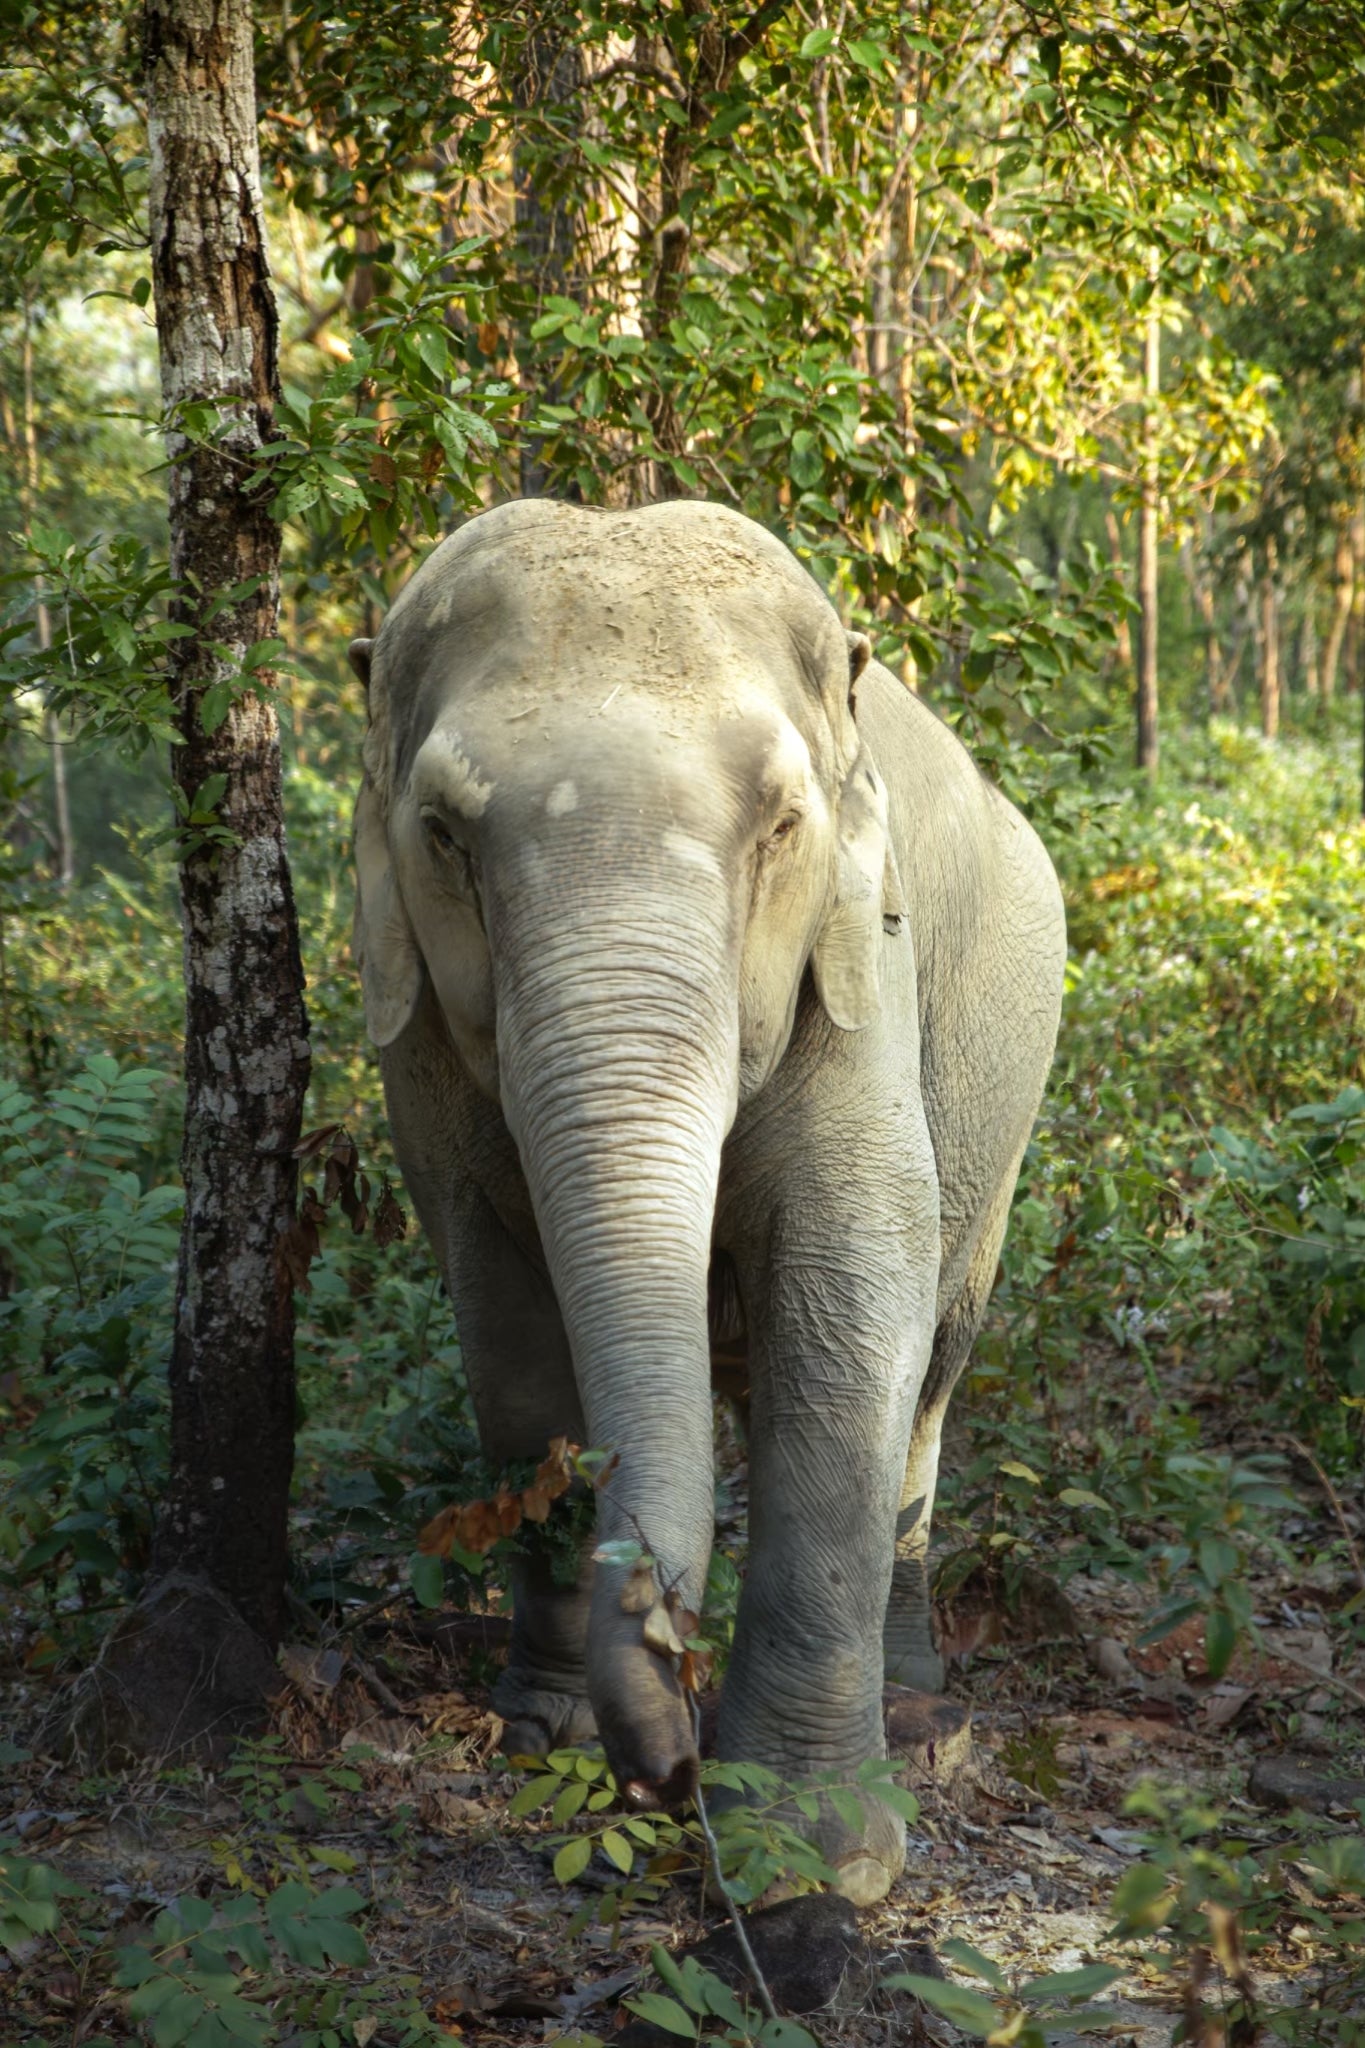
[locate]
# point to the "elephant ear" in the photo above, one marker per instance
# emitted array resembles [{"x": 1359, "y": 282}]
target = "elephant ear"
[
  {"x": 846, "y": 958},
  {"x": 382, "y": 939}
]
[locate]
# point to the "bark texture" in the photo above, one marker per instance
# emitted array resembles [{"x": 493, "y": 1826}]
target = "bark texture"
[
  {"x": 246, "y": 1031},
  {"x": 192, "y": 1666}
]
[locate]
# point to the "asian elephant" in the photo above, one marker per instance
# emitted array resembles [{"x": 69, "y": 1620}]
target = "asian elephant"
[{"x": 715, "y": 990}]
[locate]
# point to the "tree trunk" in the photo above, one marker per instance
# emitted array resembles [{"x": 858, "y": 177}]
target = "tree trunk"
[
  {"x": 550, "y": 73},
  {"x": 1355, "y": 632},
  {"x": 1343, "y": 585},
  {"x": 194, "y": 1663},
  {"x": 717, "y": 56},
  {"x": 1201, "y": 589},
  {"x": 64, "y": 862},
  {"x": 1148, "y": 743},
  {"x": 1270, "y": 644},
  {"x": 1123, "y": 636},
  {"x": 1308, "y": 676},
  {"x": 904, "y": 239}
]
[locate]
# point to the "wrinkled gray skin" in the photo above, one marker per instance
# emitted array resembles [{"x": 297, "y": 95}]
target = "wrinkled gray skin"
[{"x": 696, "y": 946}]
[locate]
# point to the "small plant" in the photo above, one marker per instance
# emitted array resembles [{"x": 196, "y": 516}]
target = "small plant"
[
  {"x": 1024, "y": 2015},
  {"x": 89, "y": 1244},
  {"x": 699, "y": 2006},
  {"x": 275, "y": 1796},
  {"x": 1202, "y": 1903},
  {"x": 756, "y": 1843},
  {"x": 233, "y": 1970}
]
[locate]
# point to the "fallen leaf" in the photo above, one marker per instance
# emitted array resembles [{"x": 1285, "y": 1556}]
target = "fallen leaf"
[{"x": 1225, "y": 1703}]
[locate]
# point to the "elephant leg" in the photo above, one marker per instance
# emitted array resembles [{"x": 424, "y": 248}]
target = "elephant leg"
[
  {"x": 521, "y": 1381},
  {"x": 840, "y": 1350},
  {"x": 911, "y": 1657}
]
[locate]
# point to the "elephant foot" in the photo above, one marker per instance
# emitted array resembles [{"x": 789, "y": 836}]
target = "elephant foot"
[
  {"x": 866, "y": 1859},
  {"x": 537, "y": 1721},
  {"x": 865, "y": 1864},
  {"x": 913, "y": 1662}
]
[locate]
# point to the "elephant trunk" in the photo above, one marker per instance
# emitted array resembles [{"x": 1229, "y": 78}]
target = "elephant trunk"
[{"x": 618, "y": 1060}]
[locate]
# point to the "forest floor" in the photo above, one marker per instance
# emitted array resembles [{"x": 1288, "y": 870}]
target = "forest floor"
[{"x": 383, "y": 1772}]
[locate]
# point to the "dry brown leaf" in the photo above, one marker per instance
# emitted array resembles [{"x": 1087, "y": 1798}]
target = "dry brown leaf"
[
  {"x": 638, "y": 1594},
  {"x": 390, "y": 1223},
  {"x": 694, "y": 1670},
  {"x": 684, "y": 1620},
  {"x": 313, "y": 1142},
  {"x": 437, "y": 1537},
  {"x": 660, "y": 1635},
  {"x": 535, "y": 1504},
  {"x": 479, "y": 1526}
]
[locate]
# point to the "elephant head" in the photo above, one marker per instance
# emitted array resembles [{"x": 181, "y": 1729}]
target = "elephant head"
[{"x": 615, "y": 804}]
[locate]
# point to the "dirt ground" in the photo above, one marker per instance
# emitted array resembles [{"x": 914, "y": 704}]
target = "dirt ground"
[{"x": 1018, "y": 1853}]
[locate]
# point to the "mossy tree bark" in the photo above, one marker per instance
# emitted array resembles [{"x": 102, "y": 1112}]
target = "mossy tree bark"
[{"x": 197, "y": 1654}]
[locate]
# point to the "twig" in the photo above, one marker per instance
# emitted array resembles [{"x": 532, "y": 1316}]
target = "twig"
[
  {"x": 371, "y": 1677},
  {"x": 368, "y": 1611},
  {"x": 760, "y": 1982},
  {"x": 1342, "y": 1685},
  {"x": 1302, "y": 1451}
]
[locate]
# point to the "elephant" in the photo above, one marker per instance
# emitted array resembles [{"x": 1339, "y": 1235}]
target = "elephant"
[{"x": 715, "y": 990}]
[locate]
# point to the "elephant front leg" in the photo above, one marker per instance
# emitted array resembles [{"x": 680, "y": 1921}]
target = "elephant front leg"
[{"x": 843, "y": 1349}]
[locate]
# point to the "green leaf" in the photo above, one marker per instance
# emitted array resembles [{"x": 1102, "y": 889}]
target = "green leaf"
[
  {"x": 1143, "y": 1899},
  {"x": 972, "y": 1960},
  {"x": 966, "y": 2009},
  {"x": 618, "y": 1850},
  {"x": 663, "y": 2012},
  {"x": 1081, "y": 1497},
  {"x": 1220, "y": 1640},
  {"x": 867, "y": 55},
  {"x": 1071, "y": 1984},
  {"x": 817, "y": 42},
  {"x": 427, "y": 1577},
  {"x": 569, "y": 1802},
  {"x": 782, "y": 2033},
  {"x": 1016, "y": 1469},
  {"x": 532, "y": 1794},
  {"x": 573, "y": 1859}
]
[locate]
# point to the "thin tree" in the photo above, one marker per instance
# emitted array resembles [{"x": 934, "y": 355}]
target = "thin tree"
[
  {"x": 195, "y": 1659},
  {"x": 1270, "y": 642},
  {"x": 1148, "y": 738}
]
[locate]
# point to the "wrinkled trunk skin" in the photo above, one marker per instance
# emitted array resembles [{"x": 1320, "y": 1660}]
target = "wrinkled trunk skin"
[{"x": 620, "y": 1135}]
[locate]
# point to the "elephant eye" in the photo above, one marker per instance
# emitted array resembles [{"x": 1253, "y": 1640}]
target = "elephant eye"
[
  {"x": 455, "y": 858},
  {"x": 783, "y": 829}
]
